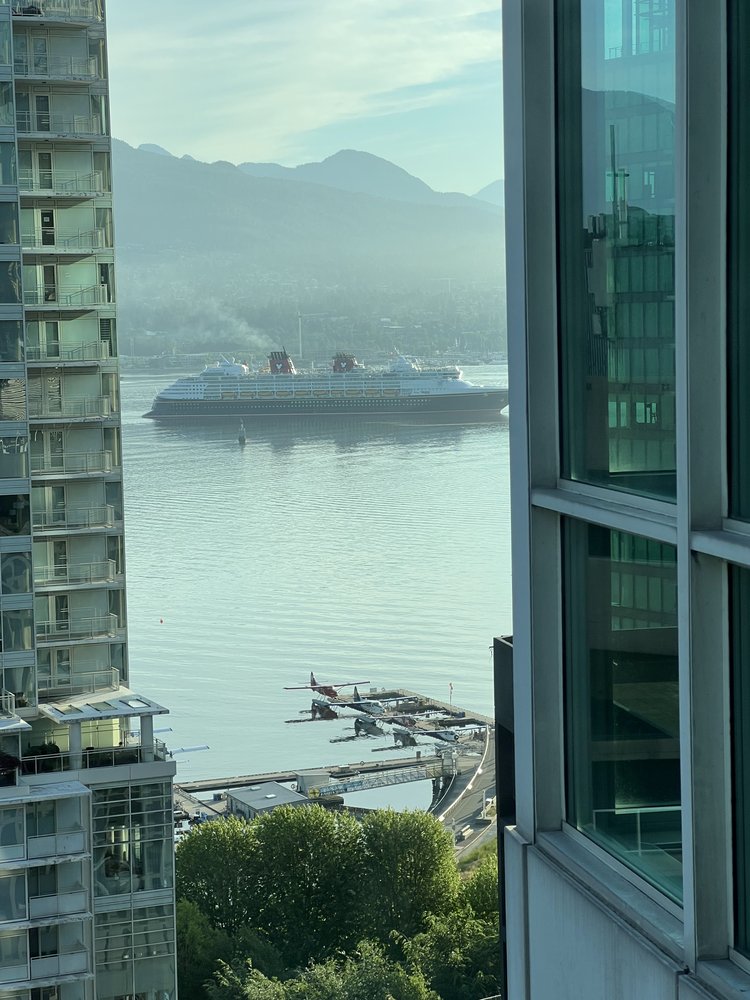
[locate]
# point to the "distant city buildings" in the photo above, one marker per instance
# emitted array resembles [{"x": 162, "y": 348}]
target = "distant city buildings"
[
  {"x": 628, "y": 253},
  {"x": 86, "y": 832}
]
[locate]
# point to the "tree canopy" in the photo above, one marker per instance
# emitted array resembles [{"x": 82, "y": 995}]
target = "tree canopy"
[{"x": 308, "y": 903}]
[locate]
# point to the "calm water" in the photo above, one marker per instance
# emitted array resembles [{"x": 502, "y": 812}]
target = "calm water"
[{"x": 373, "y": 553}]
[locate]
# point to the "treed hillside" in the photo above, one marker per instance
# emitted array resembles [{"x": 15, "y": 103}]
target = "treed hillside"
[{"x": 209, "y": 251}]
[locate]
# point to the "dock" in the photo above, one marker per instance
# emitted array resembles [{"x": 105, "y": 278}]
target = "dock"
[{"x": 459, "y": 759}]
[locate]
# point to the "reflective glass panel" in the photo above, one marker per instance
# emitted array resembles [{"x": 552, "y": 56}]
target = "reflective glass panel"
[
  {"x": 622, "y": 739},
  {"x": 740, "y": 660},
  {"x": 616, "y": 108},
  {"x": 738, "y": 227}
]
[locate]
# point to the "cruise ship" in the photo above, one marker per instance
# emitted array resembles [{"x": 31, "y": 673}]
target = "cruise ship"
[{"x": 347, "y": 389}]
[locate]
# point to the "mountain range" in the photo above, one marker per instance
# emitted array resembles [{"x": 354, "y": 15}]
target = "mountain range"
[{"x": 201, "y": 244}]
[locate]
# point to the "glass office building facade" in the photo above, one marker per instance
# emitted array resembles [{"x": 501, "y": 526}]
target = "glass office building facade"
[{"x": 628, "y": 248}]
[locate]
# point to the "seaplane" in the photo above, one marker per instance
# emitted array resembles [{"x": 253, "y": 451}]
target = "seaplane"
[{"x": 327, "y": 690}]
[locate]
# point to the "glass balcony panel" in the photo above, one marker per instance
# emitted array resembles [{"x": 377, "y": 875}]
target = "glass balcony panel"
[
  {"x": 65, "y": 67},
  {"x": 30, "y": 122},
  {"x": 96, "y": 406},
  {"x": 71, "y": 519},
  {"x": 67, "y": 296},
  {"x": 72, "y": 574},
  {"x": 70, "y": 464},
  {"x": 65, "y": 629},
  {"x": 75, "y": 10},
  {"x": 81, "y": 682}
]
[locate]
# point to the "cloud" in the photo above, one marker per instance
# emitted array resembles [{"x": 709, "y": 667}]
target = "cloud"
[{"x": 250, "y": 81}]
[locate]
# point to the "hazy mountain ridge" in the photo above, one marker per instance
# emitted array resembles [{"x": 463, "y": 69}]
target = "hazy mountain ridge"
[{"x": 206, "y": 244}]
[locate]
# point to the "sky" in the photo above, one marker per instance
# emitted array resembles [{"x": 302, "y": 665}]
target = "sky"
[{"x": 417, "y": 82}]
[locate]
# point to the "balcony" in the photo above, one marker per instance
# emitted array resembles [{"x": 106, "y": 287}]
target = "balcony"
[
  {"x": 76, "y": 574},
  {"x": 38, "y": 761},
  {"x": 47, "y": 125},
  {"x": 58, "y": 68},
  {"x": 64, "y": 630},
  {"x": 94, "y": 408},
  {"x": 90, "y": 463},
  {"x": 60, "y": 10},
  {"x": 86, "y": 682},
  {"x": 62, "y": 183},
  {"x": 73, "y": 519},
  {"x": 49, "y": 241},
  {"x": 59, "y": 904},
  {"x": 74, "y": 354},
  {"x": 67, "y": 297}
]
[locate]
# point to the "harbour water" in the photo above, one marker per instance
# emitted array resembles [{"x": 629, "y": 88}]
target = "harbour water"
[{"x": 371, "y": 553}]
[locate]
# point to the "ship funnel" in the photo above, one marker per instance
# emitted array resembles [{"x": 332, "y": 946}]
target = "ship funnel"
[
  {"x": 280, "y": 363},
  {"x": 344, "y": 362}
]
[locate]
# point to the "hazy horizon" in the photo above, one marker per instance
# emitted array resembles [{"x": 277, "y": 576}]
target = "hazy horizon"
[{"x": 286, "y": 82}]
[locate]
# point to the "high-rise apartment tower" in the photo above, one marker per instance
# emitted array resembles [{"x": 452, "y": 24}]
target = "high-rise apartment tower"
[{"x": 86, "y": 846}]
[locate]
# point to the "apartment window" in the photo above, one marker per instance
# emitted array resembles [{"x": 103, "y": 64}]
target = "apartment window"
[
  {"x": 15, "y": 514},
  {"x": 616, "y": 223},
  {"x": 10, "y": 281},
  {"x": 12, "y": 395},
  {"x": 14, "y": 457},
  {"x": 12, "y": 844},
  {"x": 18, "y": 630},
  {"x": 13, "y": 897},
  {"x": 11, "y": 340},
  {"x": 622, "y": 698},
  {"x": 42, "y": 881},
  {"x": 738, "y": 264},
  {"x": 41, "y": 819},
  {"x": 7, "y": 163},
  {"x": 5, "y": 43},
  {"x": 15, "y": 573},
  {"x": 8, "y": 222},
  {"x": 43, "y": 941}
]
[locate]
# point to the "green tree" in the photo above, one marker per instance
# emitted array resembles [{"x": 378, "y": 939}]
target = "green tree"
[
  {"x": 459, "y": 954},
  {"x": 480, "y": 890},
  {"x": 230, "y": 983},
  {"x": 215, "y": 865},
  {"x": 409, "y": 871},
  {"x": 199, "y": 948},
  {"x": 366, "y": 975},
  {"x": 307, "y": 881}
]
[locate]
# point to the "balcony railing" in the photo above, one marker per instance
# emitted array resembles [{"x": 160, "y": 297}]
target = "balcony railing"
[
  {"x": 75, "y": 574},
  {"x": 69, "y": 464},
  {"x": 71, "y": 296},
  {"x": 106, "y": 679},
  {"x": 64, "y": 67},
  {"x": 110, "y": 757},
  {"x": 97, "y": 406},
  {"x": 74, "y": 518},
  {"x": 100, "y": 626},
  {"x": 96, "y": 350},
  {"x": 73, "y": 10},
  {"x": 61, "y": 182},
  {"x": 53, "y": 242},
  {"x": 45, "y": 121}
]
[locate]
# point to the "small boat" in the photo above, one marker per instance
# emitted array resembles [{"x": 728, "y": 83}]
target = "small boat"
[{"x": 241, "y": 436}]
